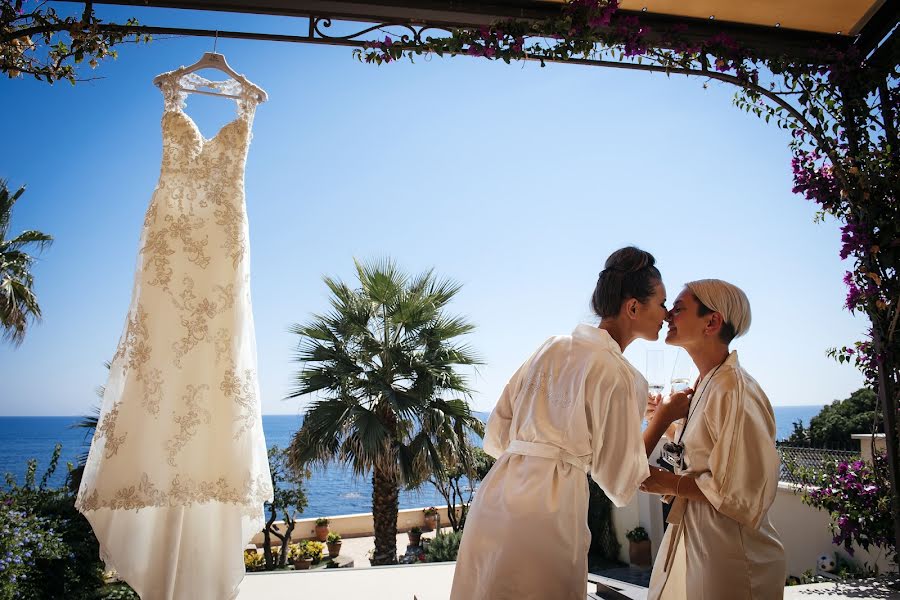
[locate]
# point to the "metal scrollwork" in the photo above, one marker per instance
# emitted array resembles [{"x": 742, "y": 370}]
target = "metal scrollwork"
[{"x": 413, "y": 33}]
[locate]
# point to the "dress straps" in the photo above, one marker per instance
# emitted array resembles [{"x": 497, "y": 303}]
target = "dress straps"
[{"x": 176, "y": 85}]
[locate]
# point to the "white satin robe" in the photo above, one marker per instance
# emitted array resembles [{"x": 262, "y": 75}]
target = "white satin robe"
[
  {"x": 574, "y": 407},
  {"x": 727, "y": 548}
]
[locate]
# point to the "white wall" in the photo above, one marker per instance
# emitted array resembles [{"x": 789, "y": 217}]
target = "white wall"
[
  {"x": 624, "y": 520},
  {"x": 355, "y": 525},
  {"x": 806, "y": 534},
  {"x": 804, "y": 530}
]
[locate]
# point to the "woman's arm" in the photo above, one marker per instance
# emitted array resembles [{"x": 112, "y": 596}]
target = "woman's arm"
[
  {"x": 663, "y": 415},
  {"x": 664, "y": 483}
]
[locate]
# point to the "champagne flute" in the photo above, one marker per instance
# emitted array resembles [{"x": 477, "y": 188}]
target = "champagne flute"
[
  {"x": 655, "y": 374},
  {"x": 681, "y": 372}
]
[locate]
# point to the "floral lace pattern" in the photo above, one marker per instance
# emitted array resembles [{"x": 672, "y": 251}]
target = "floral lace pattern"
[
  {"x": 180, "y": 422},
  {"x": 106, "y": 428},
  {"x": 181, "y": 491},
  {"x": 241, "y": 391}
]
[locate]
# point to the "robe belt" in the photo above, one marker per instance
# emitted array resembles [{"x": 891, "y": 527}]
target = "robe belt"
[
  {"x": 548, "y": 451},
  {"x": 675, "y": 520}
]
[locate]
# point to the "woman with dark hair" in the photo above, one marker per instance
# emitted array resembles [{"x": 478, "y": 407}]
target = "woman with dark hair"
[{"x": 574, "y": 407}]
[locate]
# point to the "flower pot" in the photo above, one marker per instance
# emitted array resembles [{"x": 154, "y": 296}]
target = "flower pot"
[
  {"x": 639, "y": 553},
  {"x": 321, "y": 533},
  {"x": 302, "y": 564},
  {"x": 334, "y": 549},
  {"x": 430, "y": 522},
  {"x": 415, "y": 539}
]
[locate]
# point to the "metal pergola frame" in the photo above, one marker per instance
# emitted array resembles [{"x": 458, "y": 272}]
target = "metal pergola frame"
[{"x": 419, "y": 18}]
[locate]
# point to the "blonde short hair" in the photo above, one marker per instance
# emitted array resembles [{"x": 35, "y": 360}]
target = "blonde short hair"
[{"x": 726, "y": 299}]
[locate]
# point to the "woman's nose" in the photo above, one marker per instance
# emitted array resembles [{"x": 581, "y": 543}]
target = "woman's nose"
[{"x": 669, "y": 317}]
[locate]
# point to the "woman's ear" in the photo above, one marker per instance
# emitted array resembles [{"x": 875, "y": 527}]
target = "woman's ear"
[
  {"x": 631, "y": 308},
  {"x": 714, "y": 325}
]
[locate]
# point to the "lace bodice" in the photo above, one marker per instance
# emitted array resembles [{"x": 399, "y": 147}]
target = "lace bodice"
[{"x": 191, "y": 159}]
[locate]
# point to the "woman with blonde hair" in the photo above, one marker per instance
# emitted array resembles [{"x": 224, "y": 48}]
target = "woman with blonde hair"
[{"x": 720, "y": 543}]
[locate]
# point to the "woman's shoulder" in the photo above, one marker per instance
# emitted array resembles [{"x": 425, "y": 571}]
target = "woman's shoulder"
[
  {"x": 734, "y": 377},
  {"x": 734, "y": 386},
  {"x": 604, "y": 363}
]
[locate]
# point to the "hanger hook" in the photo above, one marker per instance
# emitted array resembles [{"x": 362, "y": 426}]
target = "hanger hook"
[{"x": 216, "y": 41}]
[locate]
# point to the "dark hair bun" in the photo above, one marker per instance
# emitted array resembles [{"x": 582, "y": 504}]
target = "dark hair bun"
[
  {"x": 629, "y": 273},
  {"x": 629, "y": 260}
]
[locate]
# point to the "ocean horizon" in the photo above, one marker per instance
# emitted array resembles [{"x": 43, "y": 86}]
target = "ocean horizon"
[{"x": 334, "y": 490}]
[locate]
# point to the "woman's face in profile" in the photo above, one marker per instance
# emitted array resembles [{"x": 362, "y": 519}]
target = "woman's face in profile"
[
  {"x": 685, "y": 323},
  {"x": 652, "y": 314}
]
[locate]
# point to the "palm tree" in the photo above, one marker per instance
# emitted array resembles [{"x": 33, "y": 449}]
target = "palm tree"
[
  {"x": 390, "y": 400},
  {"x": 89, "y": 423},
  {"x": 18, "y": 304}
]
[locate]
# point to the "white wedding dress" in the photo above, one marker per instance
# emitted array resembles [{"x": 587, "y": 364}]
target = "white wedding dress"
[{"x": 177, "y": 473}]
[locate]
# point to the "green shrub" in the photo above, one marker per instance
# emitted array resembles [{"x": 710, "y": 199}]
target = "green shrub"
[
  {"x": 333, "y": 537},
  {"x": 444, "y": 547},
  {"x": 47, "y": 548},
  {"x": 119, "y": 591},
  {"x": 638, "y": 534}
]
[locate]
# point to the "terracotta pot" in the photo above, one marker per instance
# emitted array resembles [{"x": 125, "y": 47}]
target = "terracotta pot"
[
  {"x": 639, "y": 553},
  {"x": 322, "y": 533},
  {"x": 334, "y": 549},
  {"x": 415, "y": 539},
  {"x": 430, "y": 522},
  {"x": 302, "y": 564}
]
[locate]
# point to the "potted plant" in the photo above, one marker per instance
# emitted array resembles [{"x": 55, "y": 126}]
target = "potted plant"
[
  {"x": 321, "y": 529},
  {"x": 431, "y": 518},
  {"x": 254, "y": 561},
  {"x": 638, "y": 547},
  {"x": 314, "y": 551},
  {"x": 298, "y": 556},
  {"x": 334, "y": 544},
  {"x": 415, "y": 536}
]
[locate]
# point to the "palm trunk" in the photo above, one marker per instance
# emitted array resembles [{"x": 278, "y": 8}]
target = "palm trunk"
[{"x": 385, "y": 505}]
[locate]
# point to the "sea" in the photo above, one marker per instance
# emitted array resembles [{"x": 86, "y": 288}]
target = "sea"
[{"x": 334, "y": 490}]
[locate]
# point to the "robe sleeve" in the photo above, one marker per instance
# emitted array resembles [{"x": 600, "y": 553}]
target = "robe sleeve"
[
  {"x": 618, "y": 458},
  {"x": 496, "y": 434},
  {"x": 742, "y": 479}
]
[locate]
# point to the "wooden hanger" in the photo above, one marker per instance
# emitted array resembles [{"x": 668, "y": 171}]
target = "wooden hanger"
[{"x": 213, "y": 60}]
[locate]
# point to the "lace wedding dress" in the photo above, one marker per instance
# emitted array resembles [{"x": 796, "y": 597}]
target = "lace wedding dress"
[{"x": 177, "y": 473}]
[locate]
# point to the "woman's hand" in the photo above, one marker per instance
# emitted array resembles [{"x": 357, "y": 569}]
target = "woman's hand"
[
  {"x": 660, "y": 482},
  {"x": 675, "y": 406},
  {"x": 653, "y": 401}
]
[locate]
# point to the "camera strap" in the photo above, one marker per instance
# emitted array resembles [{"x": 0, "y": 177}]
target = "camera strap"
[{"x": 697, "y": 403}]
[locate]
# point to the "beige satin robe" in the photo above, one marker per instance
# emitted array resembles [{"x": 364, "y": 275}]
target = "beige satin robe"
[
  {"x": 574, "y": 407},
  {"x": 725, "y": 549}
]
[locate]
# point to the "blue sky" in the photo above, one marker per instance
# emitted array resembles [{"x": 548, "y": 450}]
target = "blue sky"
[{"x": 515, "y": 180}]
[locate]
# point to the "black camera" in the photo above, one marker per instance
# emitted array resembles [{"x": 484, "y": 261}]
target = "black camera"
[{"x": 673, "y": 454}]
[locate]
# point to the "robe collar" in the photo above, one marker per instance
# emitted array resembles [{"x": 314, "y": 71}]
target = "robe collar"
[
  {"x": 730, "y": 361},
  {"x": 597, "y": 336}
]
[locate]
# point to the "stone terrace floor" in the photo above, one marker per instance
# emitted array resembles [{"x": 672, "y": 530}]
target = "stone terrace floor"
[{"x": 433, "y": 582}]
